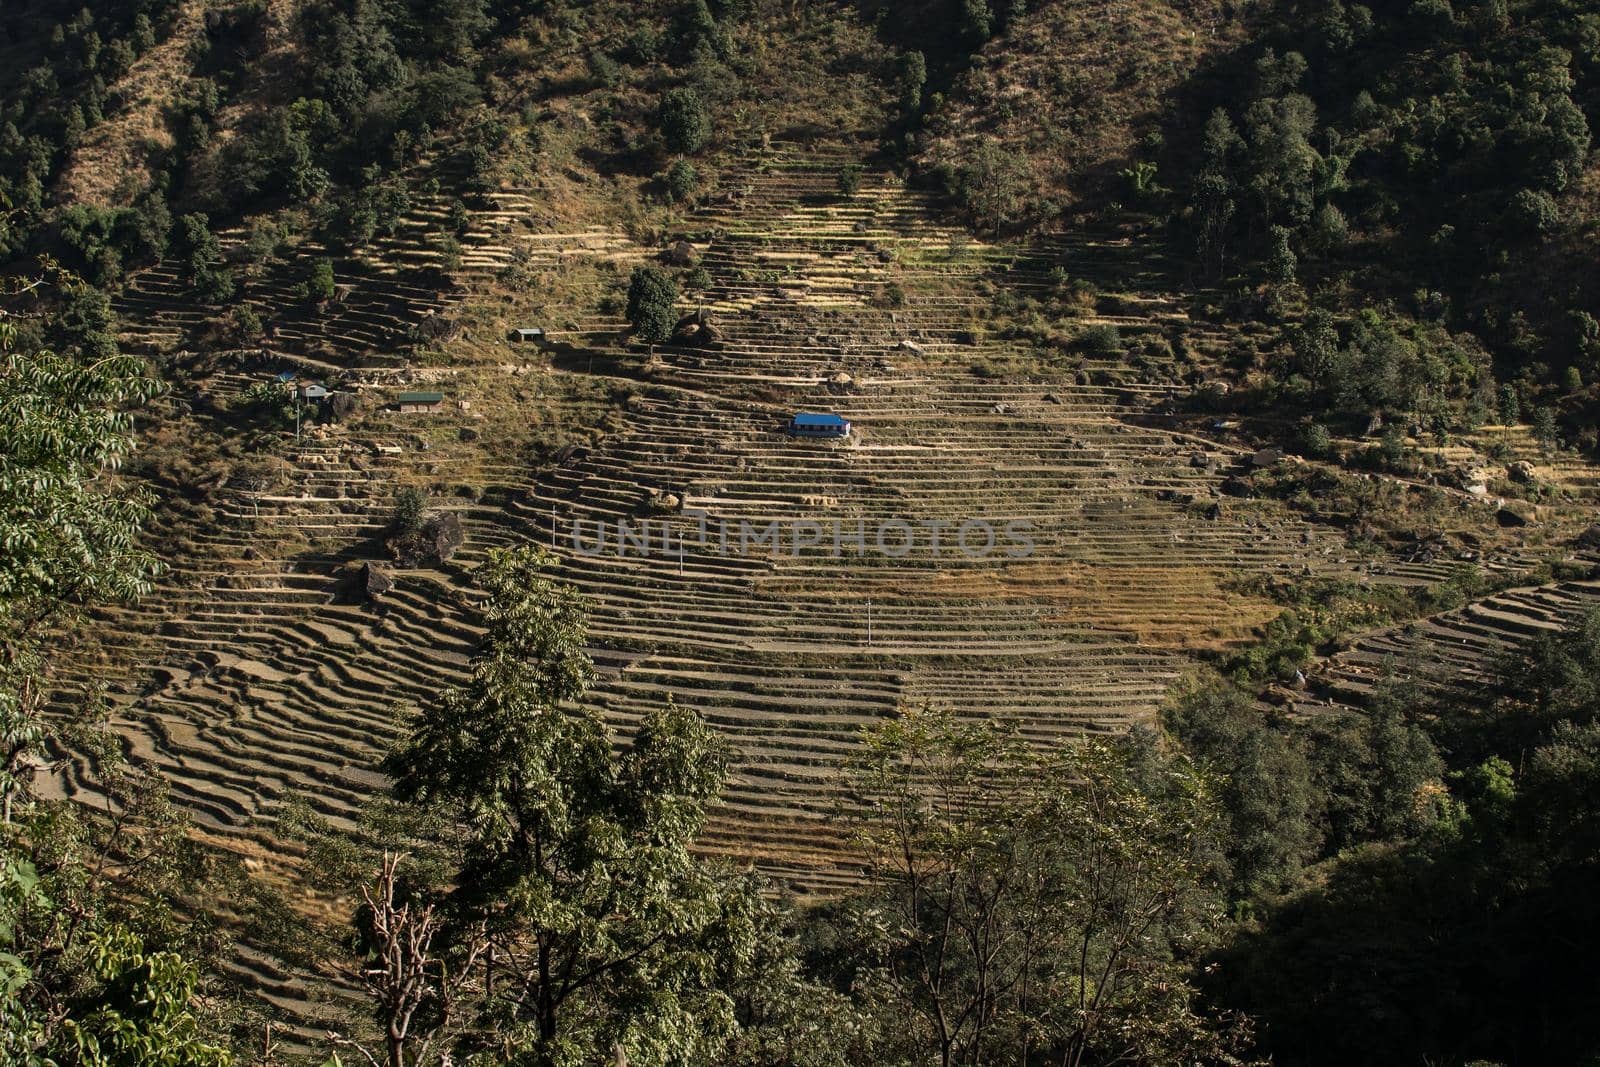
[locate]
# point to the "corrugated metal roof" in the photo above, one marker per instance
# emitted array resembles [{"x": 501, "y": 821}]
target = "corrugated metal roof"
[
  {"x": 812, "y": 419},
  {"x": 421, "y": 398}
]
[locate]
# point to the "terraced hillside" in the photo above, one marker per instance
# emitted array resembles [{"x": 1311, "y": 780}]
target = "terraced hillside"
[
  {"x": 256, "y": 677},
  {"x": 1453, "y": 653}
]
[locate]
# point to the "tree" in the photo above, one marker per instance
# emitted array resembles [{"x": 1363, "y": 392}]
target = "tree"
[
  {"x": 652, "y": 299},
  {"x": 913, "y": 76},
  {"x": 849, "y": 179},
  {"x": 1028, "y": 907},
  {"x": 70, "y": 532},
  {"x": 320, "y": 283},
  {"x": 1315, "y": 343},
  {"x": 414, "y": 985},
  {"x": 604, "y": 929},
  {"x": 682, "y": 119},
  {"x": 1509, "y": 406},
  {"x": 1265, "y": 785},
  {"x": 202, "y": 268},
  {"x": 1546, "y": 430},
  {"x": 1281, "y": 261},
  {"x": 991, "y": 186},
  {"x": 77, "y": 983}
]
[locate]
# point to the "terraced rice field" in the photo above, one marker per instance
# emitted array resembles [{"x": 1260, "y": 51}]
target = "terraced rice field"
[{"x": 252, "y": 680}]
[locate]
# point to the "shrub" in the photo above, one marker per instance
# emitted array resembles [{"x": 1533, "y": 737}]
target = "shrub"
[
  {"x": 1315, "y": 440},
  {"x": 1102, "y": 338},
  {"x": 409, "y": 506},
  {"x": 681, "y": 180}
]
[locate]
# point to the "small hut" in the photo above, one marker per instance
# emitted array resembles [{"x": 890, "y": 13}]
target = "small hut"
[{"x": 420, "y": 403}]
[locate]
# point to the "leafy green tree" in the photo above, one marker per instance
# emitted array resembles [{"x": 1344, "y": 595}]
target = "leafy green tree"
[
  {"x": 70, "y": 531},
  {"x": 1546, "y": 430},
  {"x": 1265, "y": 785},
  {"x": 410, "y": 505},
  {"x": 1215, "y": 191},
  {"x": 913, "y": 77},
  {"x": 683, "y": 121},
  {"x": 1509, "y": 406},
  {"x": 977, "y": 21},
  {"x": 1315, "y": 344},
  {"x": 1379, "y": 773},
  {"x": 143, "y": 1011},
  {"x": 849, "y": 180},
  {"x": 652, "y": 299},
  {"x": 577, "y": 862},
  {"x": 320, "y": 283},
  {"x": 203, "y": 268},
  {"x": 1281, "y": 261},
  {"x": 77, "y": 985},
  {"x": 1033, "y": 907}
]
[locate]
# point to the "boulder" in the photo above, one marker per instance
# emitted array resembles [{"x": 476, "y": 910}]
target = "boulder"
[
  {"x": 696, "y": 328},
  {"x": 341, "y": 405},
  {"x": 680, "y": 254},
  {"x": 444, "y": 534},
  {"x": 373, "y": 581},
  {"x": 1509, "y": 517},
  {"x": 1521, "y": 471},
  {"x": 1266, "y": 457},
  {"x": 1235, "y": 486},
  {"x": 1590, "y": 539}
]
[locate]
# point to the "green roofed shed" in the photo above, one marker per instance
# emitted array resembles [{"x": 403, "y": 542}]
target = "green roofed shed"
[{"x": 420, "y": 401}]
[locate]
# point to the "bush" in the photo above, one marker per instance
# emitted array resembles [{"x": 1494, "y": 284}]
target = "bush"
[
  {"x": 1102, "y": 338},
  {"x": 1315, "y": 440},
  {"x": 683, "y": 121},
  {"x": 681, "y": 180},
  {"x": 652, "y": 296}
]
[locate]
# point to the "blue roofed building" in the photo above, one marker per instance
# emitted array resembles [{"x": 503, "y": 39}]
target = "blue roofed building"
[{"x": 812, "y": 424}]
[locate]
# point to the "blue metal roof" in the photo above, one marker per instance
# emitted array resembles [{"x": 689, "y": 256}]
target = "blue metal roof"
[{"x": 808, "y": 419}]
